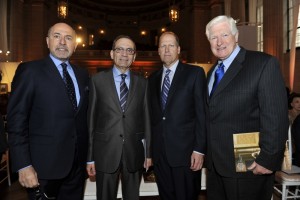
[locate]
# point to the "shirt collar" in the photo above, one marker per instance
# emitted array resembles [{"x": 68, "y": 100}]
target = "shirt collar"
[
  {"x": 227, "y": 62},
  {"x": 172, "y": 68},
  {"x": 57, "y": 62},
  {"x": 117, "y": 72}
]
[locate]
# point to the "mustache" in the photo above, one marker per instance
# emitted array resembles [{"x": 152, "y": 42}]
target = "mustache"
[{"x": 62, "y": 48}]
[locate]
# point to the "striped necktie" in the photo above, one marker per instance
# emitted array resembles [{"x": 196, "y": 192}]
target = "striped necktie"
[
  {"x": 123, "y": 92},
  {"x": 165, "y": 89},
  {"x": 69, "y": 86}
]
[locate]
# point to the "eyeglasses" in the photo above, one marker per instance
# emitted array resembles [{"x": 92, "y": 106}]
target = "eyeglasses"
[{"x": 129, "y": 51}]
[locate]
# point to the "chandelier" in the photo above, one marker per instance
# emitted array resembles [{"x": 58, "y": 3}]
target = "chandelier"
[
  {"x": 62, "y": 9},
  {"x": 174, "y": 13}
]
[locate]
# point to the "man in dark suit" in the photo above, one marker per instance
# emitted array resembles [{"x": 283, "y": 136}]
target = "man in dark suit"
[
  {"x": 3, "y": 137},
  {"x": 250, "y": 97},
  {"x": 47, "y": 127},
  {"x": 177, "y": 122},
  {"x": 119, "y": 125},
  {"x": 296, "y": 140}
]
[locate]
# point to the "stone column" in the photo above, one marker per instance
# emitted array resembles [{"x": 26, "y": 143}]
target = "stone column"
[
  {"x": 199, "y": 45},
  {"x": 29, "y": 21},
  {"x": 273, "y": 27}
]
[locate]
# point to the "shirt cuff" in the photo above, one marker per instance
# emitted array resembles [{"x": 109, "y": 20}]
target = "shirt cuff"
[{"x": 198, "y": 153}]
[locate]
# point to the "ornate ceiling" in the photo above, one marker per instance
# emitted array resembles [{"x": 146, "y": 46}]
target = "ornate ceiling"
[{"x": 123, "y": 7}]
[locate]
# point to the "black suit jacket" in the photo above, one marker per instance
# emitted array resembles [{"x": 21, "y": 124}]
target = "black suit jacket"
[
  {"x": 251, "y": 97},
  {"x": 3, "y": 137},
  {"x": 43, "y": 129},
  {"x": 113, "y": 133},
  {"x": 180, "y": 128},
  {"x": 296, "y": 140}
]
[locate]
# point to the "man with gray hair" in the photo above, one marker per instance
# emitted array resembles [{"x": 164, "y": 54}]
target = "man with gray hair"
[{"x": 246, "y": 94}]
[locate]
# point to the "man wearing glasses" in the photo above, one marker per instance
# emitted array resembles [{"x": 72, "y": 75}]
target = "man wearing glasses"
[{"x": 119, "y": 125}]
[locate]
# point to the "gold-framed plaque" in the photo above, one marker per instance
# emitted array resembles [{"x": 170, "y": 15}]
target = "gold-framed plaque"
[{"x": 246, "y": 149}]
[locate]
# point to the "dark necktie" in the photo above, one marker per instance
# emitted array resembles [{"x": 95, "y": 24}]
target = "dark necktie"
[
  {"x": 123, "y": 92},
  {"x": 165, "y": 89},
  {"x": 69, "y": 85},
  {"x": 219, "y": 73}
]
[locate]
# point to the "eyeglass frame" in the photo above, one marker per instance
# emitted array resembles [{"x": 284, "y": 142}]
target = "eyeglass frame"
[{"x": 129, "y": 51}]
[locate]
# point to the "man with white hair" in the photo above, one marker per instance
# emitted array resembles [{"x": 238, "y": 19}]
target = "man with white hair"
[{"x": 246, "y": 94}]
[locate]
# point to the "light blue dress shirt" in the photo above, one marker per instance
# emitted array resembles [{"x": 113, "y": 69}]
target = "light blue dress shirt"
[
  {"x": 118, "y": 78},
  {"x": 227, "y": 62},
  {"x": 171, "y": 74}
]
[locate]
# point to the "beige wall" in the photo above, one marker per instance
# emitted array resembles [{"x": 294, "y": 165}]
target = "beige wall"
[{"x": 8, "y": 71}]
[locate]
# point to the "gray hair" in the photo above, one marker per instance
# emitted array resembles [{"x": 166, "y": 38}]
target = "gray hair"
[{"x": 220, "y": 19}]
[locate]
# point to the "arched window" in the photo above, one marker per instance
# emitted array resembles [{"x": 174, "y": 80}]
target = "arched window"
[
  {"x": 259, "y": 21},
  {"x": 291, "y": 4}
]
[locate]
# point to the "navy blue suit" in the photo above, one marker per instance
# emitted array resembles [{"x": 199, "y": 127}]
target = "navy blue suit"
[
  {"x": 44, "y": 130},
  {"x": 178, "y": 130}
]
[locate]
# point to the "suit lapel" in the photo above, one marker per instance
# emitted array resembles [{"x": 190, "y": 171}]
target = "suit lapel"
[
  {"x": 209, "y": 74},
  {"x": 132, "y": 88},
  {"x": 53, "y": 71},
  {"x": 112, "y": 87},
  {"x": 175, "y": 81},
  {"x": 158, "y": 82},
  {"x": 56, "y": 78},
  {"x": 232, "y": 71},
  {"x": 81, "y": 84}
]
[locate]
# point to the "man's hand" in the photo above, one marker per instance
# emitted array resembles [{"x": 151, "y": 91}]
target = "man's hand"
[
  {"x": 147, "y": 163},
  {"x": 196, "y": 161},
  {"x": 258, "y": 169},
  {"x": 90, "y": 168},
  {"x": 28, "y": 177}
]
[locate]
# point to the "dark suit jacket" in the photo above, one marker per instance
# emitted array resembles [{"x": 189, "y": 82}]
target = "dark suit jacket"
[
  {"x": 43, "y": 129},
  {"x": 180, "y": 128},
  {"x": 3, "y": 137},
  {"x": 112, "y": 132},
  {"x": 296, "y": 140},
  {"x": 251, "y": 97}
]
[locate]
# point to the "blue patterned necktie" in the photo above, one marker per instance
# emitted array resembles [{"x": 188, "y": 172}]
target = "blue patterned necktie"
[
  {"x": 123, "y": 92},
  {"x": 165, "y": 89},
  {"x": 69, "y": 85},
  {"x": 219, "y": 73}
]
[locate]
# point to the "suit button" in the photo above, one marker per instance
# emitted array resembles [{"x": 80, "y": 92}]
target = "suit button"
[
  {"x": 121, "y": 135},
  {"x": 123, "y": 116},
  {"x": 164, "y": 118}
]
